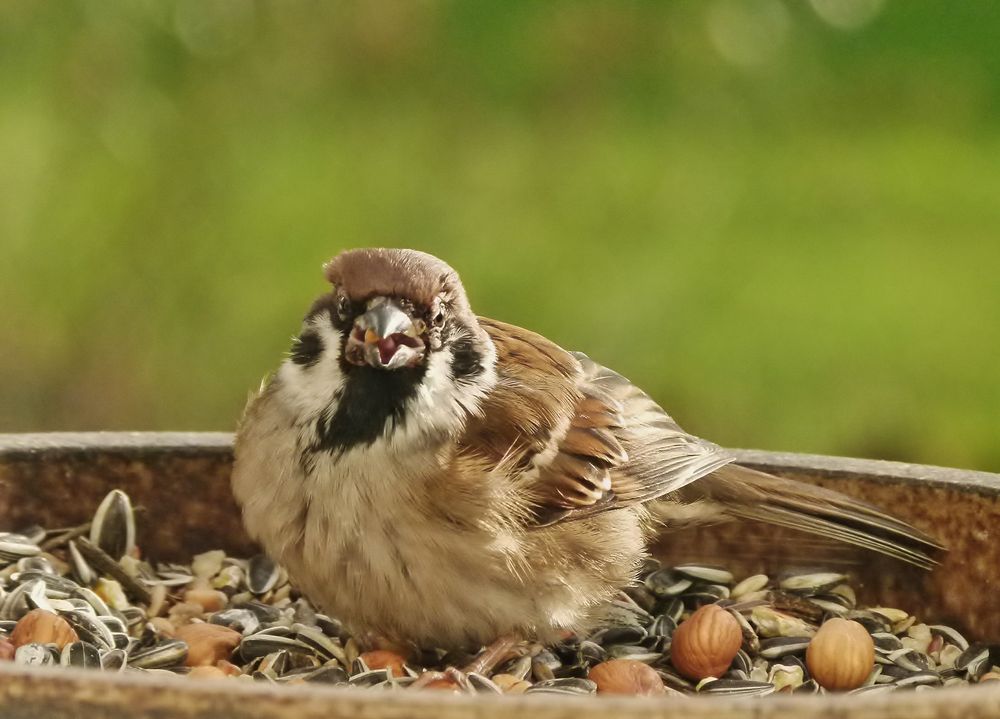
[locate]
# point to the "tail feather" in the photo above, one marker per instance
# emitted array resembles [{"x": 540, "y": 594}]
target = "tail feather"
[{"x": 744, "y": 493}]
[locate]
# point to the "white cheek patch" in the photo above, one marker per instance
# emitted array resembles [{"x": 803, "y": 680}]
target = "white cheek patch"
[
  {"x": 442, "y": 405},
  {"x": 310, "y": 390}
]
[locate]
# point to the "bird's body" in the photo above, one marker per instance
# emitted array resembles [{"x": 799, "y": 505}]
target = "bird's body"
[{"x": 443, "y": 479}]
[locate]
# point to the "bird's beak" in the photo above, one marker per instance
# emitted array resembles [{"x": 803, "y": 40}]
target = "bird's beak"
[{"x": 387, "y": 337}]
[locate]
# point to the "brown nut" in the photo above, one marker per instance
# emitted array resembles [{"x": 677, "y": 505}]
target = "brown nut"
[
  {"x": 207, "y": 672},
  {"x": 210, "y": 600},
  {"x": 164, "y": 627},
  {"x": 207, "y": 643},
  {"x": 443, "y": 683},
  {"x": 841, "y": 655},
  {"x": 42, "y": 627},
  {"x": 228, "y": 668},
  {"x": 384, "y": 659},
  {"x": 705, "y": 644},
  {"x": 626, "y": 676}
]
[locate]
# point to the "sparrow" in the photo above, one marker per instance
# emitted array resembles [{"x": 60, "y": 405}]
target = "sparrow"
[{"x": 441, "y": 479}]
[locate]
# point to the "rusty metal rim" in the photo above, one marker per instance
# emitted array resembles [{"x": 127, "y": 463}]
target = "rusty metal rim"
[
  {"x": 133, "y": 443},
  {"x": 82, "y": 688}
]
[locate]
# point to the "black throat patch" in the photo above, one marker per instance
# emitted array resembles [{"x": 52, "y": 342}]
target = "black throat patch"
[{"x": 370, "y": 398}]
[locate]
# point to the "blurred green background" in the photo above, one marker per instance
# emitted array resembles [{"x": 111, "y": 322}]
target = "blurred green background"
[{"x": 781, "y": 218}]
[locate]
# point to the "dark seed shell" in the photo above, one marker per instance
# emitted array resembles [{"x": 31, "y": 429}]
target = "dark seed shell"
[
  {"x": 82, "y": 655},
  {"x": 262, "y": 574},
  {"x": 113, "y": 527}
]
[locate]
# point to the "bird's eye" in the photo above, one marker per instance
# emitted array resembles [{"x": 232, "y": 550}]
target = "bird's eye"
[{"x": 343, "y": 307}]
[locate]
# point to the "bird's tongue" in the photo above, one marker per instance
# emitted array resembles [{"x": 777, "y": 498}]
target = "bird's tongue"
[{"x": 386, "y": 349}]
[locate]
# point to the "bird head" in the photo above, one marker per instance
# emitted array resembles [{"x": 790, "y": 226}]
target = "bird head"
[
  {"x": 392, "y": 306},
  {"x": 396, "y": 333}
]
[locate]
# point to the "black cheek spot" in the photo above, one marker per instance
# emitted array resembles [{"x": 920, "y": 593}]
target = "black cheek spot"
[
  {"x": 466, "y": 362},
  {"x": 307, "y": 348}
]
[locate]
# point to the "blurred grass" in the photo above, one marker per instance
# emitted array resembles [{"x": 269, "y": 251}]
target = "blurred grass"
[{"x": 784, "y": 230}]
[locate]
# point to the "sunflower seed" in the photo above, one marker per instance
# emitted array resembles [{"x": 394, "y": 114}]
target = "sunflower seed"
[
  {"x": 873, "y": 689},
  {"x": 483, "y": 685},
  {"x": 90, "y": 629},
  {"x": 665, "y": 583},
  {"x": 619, "y": 635},
  {"x": 274, "y": 664},
  {"x": 519, "y": 667},
  {"x": 569, "y": 685},
  {"x": 38, "y": 563},
  {"x": 975, "y": 661},
  {"x": 261, "y": 644},
  {"x": 743, "y": 662},
  {"x": 639, "y": 654},
  {"x": 169, "y": 653},
  {"x": 736, "y": 687},
  {"x": 268, "y": 614},
  {"x": 319, "y": 642},
  {"x": 82, "y": 655},
  {"x": 749, "y": 585},
  {"x": 242, "y": 620},
  {"x": 950, "y": 635},
  {"x": 262, "y": 574},
  {"x": 34, "y": 655},
  {"x": 706, "y": 593},
  {"x": 705, "y": 573},
  {"x": 890, "y": 614},
  {"x": 828, "y": 605},
  {"x": 15, "y": 546},
  {"x": 811, "y": 583},
  {"x": 327, "y": 675},
  {"x": 663, "y": 626},
  {"x": 641, "y": 595},
  {"x": 919, "y": 679},
  {"x": 886, "y": 643},
  {"x": 778, "y": 647},
  {"x": 114, "y": 660},
  {"x": 909, "y": 659},
  {"x": 81, "y": 569},
  {"x": 113, "y": 527},
  {"x": 369, "y": 678},
  {"x": 35, "y": 596},
  {"x": 33, "y": 533}
]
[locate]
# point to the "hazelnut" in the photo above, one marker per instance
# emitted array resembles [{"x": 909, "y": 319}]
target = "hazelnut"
[
  {"x": 705, "y": 644},
  {"x": 42, "y": 627},
  {"x": 207, "y": 643},
  {"x": 626, "y": 676},
  {"x": 384, "y": 659},
  {"x": 841, "y": 655}
]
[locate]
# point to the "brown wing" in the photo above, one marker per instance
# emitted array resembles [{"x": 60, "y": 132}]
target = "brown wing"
[{"x": 586, "y": 439}]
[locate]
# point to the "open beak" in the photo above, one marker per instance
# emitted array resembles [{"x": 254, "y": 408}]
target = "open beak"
[{"x": 386, "y": 337}]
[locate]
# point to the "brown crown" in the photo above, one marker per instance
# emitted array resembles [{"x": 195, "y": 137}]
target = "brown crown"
[{"x": 409, "y": 274}]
